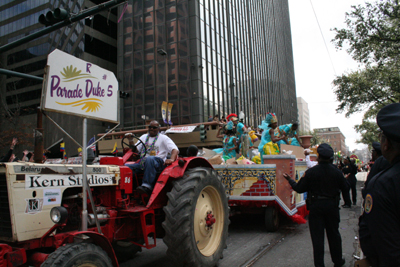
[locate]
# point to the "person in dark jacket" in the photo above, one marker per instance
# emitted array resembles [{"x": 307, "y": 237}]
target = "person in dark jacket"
[
  {"x": 379, "y": 225},
  {"x": 349, "y": 171},
  {"x": 7, "y": 157},
  {"x": 323, "y": 183},
  {"x": 380, "y": 163}
]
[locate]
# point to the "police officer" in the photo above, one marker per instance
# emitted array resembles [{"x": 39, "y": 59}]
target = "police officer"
[
  {"x": 380, "y": 163},
  {"x": 323, "y": 183},
  {"x": 380, "y": 222},
  {"x": 350, "y": 170}
]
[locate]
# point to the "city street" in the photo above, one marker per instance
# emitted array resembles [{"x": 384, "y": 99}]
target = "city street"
[{"x": 250, "y": 245}]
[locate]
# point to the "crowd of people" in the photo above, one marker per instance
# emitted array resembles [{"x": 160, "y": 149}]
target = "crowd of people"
[
  {"x": 11, "y": 157},
  {"x": 271, "y": 136}
]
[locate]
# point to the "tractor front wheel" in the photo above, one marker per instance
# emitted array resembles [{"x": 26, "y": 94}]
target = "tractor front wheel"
[
  {"x": 196, "y": 219},
  {"x": 78, "y": 255}
]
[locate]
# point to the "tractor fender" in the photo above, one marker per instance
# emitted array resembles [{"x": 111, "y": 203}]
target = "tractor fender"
[
  {"x": 101, "y": 241},
  {"x": 176, "y": 170}
]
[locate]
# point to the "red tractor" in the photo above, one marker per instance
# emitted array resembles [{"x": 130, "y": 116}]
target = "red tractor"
[{"x": 41, "y": 209}]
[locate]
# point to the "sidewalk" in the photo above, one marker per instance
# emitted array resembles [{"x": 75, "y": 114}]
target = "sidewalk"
[{"x": 296, "y": 249}]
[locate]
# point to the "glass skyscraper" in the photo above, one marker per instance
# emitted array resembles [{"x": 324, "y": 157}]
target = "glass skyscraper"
[
  {"x": 222, "y": 56},
  {"x": 93, "y": 39}
]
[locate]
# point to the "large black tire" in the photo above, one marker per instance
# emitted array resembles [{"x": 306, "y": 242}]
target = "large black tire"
[
  {"x": 190, "y": 242},
  {"x": 81, "y": 254},
  {"x": 125, "y": 250},
  {"x": 271, "y": 219}
]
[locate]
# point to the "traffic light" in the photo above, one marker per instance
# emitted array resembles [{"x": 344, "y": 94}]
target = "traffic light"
[
  {"x": 123, "y": 94},
  {"x": 203, "y": 133},
  {"x": 52, "y": 17}
]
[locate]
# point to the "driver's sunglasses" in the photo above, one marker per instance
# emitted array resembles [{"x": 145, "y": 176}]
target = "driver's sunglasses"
[{"x": 153, "y": 127}]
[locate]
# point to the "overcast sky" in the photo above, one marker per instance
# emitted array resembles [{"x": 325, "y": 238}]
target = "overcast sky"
[{"x": 314, "y": 72}]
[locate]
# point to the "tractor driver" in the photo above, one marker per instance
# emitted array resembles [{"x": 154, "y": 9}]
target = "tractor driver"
[{"x": 155, "y": 160}]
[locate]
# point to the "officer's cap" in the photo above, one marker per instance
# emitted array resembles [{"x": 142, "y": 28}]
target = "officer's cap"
[
  {"x": 388, "y": 120},
  {"x": 325, "y": 151},
  {"x": 376, "y": 146}
]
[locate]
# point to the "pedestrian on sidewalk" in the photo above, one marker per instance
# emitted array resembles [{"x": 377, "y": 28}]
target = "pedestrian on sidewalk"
[
  {"x": 323, "y": 183},
  {"x": 380, "y": 222}
]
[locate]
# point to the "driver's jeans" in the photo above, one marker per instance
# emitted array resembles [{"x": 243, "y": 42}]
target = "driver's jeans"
[{"x": 149, "y": 166}]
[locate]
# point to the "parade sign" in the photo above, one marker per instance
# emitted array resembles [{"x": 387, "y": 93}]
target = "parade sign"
[
  {"x": 184, "y": 129},
  {"x": 77, "y": 87}
]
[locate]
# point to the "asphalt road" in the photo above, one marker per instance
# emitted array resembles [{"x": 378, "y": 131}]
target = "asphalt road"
[
  {"x": 247, "y": 237},
  {"x": 249, "y": 244}
]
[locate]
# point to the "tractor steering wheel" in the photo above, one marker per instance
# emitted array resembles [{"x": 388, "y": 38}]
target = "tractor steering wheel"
[{"x": 125, "y": 146}]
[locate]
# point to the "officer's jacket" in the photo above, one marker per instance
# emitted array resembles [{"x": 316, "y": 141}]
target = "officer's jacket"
[
  {"x": 380, "y": 221},
  {"x": 324, "y": 180},
  {"x": 379, "y": 165},
  {"x": 352, "y": 169}
]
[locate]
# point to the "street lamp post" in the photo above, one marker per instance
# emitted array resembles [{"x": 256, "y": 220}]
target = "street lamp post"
[{"x": 162, "y": 52}]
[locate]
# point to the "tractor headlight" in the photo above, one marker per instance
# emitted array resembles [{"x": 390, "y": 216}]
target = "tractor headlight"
[{"x": 58, "y": 215}]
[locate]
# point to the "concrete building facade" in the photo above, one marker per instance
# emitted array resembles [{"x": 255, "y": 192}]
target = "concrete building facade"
[
  {"x": 334, "y": 137},
  {"x": 363, "y": 154},
  {"x": 304, "y": 115}
]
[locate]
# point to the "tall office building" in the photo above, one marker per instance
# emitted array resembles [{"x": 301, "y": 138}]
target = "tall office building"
[
  {"x": 93, "y": 40},
  {"x": 304, "y": 115},
  {"x": 221, "y": 57}
]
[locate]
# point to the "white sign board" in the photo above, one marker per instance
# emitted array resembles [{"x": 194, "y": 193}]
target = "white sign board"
[
  {"x": 50, "y": 181},
  {"x": 77, "y": 87},
  {"x": 185, "y": 129}
]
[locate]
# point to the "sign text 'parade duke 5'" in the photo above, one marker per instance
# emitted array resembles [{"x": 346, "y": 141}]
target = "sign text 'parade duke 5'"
[{"x": 80, "y": 88}]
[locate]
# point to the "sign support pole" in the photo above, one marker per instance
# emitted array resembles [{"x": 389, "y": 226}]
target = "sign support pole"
[{"x": 84, "y": 177}]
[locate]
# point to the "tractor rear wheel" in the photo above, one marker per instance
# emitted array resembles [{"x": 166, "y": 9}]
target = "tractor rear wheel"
[
  {"x": 196, "y": 219},
  {"x": 78, "y": 255}
]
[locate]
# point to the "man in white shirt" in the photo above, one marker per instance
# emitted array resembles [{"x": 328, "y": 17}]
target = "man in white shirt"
[
  {"x": 309, "y": 162},
  {"x": 153, "y": 159}
]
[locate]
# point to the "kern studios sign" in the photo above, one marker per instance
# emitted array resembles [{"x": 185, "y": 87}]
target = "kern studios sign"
[{"x": 77, "y": 87}]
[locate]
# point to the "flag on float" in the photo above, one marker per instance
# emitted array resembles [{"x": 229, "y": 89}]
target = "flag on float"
[
  {"x": 91, "y": 141},
  {"x": 115, "y": 149},
  {"x": 62, "y": 149}
]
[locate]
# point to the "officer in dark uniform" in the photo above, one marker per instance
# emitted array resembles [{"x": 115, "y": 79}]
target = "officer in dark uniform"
[
  {"x": 350, "y": 170},
  {"x": 380, "y": 163},
  {"x": 380, "y": 222},
  {"x": 323, "y": 183}
]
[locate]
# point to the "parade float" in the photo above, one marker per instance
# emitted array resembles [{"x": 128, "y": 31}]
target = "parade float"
[{"x": 250, "y": 187}]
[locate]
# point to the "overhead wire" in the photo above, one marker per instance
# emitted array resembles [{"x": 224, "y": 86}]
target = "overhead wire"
[{"x": 323, "y": 38}]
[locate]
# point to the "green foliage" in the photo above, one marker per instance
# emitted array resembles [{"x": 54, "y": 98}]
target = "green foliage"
[
  {"x": 316, "y": 139},
  {"x": 369, "y": 132},
  {"x": 372, "y": 32},
  {"x": 372, "y": 38},
  {"x": 367, "y": 90}
]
